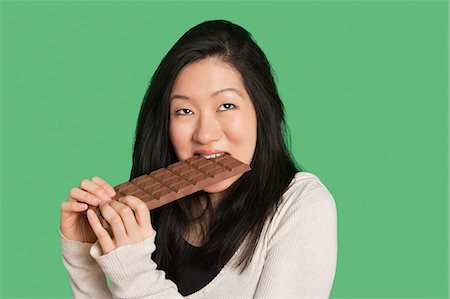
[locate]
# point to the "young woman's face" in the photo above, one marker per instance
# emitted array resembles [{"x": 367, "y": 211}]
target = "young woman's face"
[{"x": 210, "y": 113}]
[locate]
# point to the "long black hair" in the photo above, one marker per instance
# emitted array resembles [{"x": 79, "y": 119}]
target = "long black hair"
[{"x": 254, "y": 197}]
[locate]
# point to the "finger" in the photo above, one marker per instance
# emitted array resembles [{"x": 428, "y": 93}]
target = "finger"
[
  {"x": 125, "y": 212},
  {"x": 76, "y": 194},
  {"x": 106, "y": 243},
  {"x": 104, "y": 185},
  {"x": 70, "y": 212},
  {"x": 141, "y": 212},
  {"x": 94, "y": 189},
  {"x": 115, "y": 221},
  {"x": 73, "y": 206},
  {"x": 128, "y": 218}
]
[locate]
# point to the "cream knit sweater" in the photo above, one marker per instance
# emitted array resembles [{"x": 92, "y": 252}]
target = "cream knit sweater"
[{"x": 295, "y": 258}]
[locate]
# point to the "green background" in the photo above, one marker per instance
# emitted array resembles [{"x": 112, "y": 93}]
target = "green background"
[{"x": 364, "y": 83}]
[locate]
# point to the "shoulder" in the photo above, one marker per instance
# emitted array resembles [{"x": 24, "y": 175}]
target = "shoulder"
[
  {"x": 302, "y": 184},
  {"x": 306, "y": 187},
  {"x": 306, "y": 200},
  {"x": 299, "y": 250}
]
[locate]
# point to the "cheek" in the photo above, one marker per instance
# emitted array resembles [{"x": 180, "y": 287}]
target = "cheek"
[
  {"x": 241, "y": 134},
  {"x": 240, "y": 129},
  {"x": 179, "y": 136}
]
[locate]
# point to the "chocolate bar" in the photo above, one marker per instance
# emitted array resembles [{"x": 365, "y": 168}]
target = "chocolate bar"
[{"x": 179, "y": 179}]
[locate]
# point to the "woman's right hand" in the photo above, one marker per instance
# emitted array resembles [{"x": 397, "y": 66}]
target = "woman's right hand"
[{"x": 74, "y": 224}]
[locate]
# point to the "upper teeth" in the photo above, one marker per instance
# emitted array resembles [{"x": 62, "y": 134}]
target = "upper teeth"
[{"x": 212, "y": 156}]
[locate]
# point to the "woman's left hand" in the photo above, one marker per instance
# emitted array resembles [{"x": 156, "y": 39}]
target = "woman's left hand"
[{"x": 129, "y": 219}]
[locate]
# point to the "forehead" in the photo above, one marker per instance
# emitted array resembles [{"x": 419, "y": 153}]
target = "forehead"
[{"x": 207, "y": 76}]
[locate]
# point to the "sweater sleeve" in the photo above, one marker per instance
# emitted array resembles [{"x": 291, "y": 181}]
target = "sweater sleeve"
[
  {"x": 86, "y": 277},
  {"x": 302, "y": 248},
  {"x": 133, "y": 273}
]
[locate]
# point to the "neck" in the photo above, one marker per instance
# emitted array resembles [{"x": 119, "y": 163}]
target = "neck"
[
  {"x": 198, "y": 230},
  {"x": 215, "y": 198}
]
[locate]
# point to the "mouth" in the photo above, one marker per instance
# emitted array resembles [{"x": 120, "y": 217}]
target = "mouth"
[{"x": 211, "y": 156}]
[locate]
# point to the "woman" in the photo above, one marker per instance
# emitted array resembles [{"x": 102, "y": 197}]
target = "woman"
[{"x": 271, "y": 232}]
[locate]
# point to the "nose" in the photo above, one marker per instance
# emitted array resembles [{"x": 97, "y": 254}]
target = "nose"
[{"x": 208, "y": 130}]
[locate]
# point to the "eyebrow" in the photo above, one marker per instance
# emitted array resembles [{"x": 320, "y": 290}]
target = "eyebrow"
[{"x": 182, "y": 97}]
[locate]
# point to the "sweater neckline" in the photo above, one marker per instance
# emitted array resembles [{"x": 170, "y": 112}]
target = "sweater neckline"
[{"x": 226, "y": 267}]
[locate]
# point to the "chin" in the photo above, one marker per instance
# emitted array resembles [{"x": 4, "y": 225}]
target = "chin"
[{"x": 222, "y": 186}]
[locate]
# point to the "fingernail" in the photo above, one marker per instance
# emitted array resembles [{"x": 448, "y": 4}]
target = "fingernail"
[
  {"x": 90, "y": 213},
  {"x": 105, "y": 197},
  {"x": 111, "y": 191}
]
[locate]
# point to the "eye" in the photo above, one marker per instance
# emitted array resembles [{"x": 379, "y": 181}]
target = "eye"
[
  {"x": 227, "y": 106},
  {"x": 183, "y": 111}
]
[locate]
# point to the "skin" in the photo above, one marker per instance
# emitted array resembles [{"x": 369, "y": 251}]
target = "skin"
[
  {"x": 199, "y": 120},
  {"x": 128, "y": 217},
  {"x": 223, "y": 122}
]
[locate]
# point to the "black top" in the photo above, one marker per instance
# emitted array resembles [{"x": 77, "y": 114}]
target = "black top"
[{"x": 193, "y": 273}]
